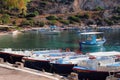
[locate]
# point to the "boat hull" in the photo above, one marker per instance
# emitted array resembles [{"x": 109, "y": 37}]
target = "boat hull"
[
  {"x": 15, "y": 58},
  {"x": 5, "y": 56},
  {"x": 62, "y": 69},
  {"x": 92, "y": 75},
  {"x": 11, "y": 58},
  {"x": 37, "y": 64}
]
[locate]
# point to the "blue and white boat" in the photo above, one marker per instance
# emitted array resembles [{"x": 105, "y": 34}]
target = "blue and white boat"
[
  {"x": 91, "y": 39},
  {"x": 64, "y": 65},
  {"x": 42, "y": 59},
  {"x": 98, "y": 66}
]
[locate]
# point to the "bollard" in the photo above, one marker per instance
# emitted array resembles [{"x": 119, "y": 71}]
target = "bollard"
[
  {"x": 18, "y": 65},
  {"x": 73, "y": 76},
  {"x": 1, "y": 60}
]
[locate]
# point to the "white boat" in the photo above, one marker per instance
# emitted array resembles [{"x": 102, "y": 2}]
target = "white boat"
[
  {"x": 109, "y": 53},
  {"x": 41, "y": 59},
  {"x": 50, "y": 30},
  {"x": 91, "y": 39},
  {"x": 98, "y": 66},
  {"x": 13, "y": 56}
]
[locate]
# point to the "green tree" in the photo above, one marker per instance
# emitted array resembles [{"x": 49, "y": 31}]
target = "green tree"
[{"x": 19, "y": 4}]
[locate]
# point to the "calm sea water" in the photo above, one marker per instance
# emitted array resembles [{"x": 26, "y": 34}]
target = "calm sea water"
[{"x": 66, "y": 39}]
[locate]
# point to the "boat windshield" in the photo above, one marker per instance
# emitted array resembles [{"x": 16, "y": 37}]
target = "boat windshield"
[{"x": 92, "y": 37}]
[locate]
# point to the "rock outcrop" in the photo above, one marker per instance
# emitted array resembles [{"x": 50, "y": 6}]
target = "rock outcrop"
[
  {"x": 92, "y": 4},
  {"x": 67, "y": 6}
]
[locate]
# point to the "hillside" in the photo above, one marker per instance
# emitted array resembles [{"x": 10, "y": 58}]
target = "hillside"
[
  {"x": 63, "y": 6},
  {"x": 64, "y": 12}
]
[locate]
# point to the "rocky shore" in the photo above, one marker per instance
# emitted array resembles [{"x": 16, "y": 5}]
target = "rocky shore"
[{"x": 114, "y": 27}]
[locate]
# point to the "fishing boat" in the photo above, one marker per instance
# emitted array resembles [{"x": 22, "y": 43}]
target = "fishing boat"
[
  {"x": 13, "y": 56},
  {"x": 64, "y": 65},
  {"x": 92, "y": 39},
  {"x": 40, "y": 60},
  {"x": 98, "y": 67}
]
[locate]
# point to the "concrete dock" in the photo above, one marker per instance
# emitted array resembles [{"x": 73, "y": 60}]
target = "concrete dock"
[{"x": 7, "y": 72}]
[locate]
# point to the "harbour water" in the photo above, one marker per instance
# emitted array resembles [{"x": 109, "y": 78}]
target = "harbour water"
[{"x": 66, "y": 39}]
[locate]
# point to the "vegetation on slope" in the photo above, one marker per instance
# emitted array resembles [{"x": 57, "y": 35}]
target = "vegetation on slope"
[{"x": 34, "y": 13}]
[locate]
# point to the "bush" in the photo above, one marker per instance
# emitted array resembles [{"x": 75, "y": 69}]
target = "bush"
[
  {"x": 33, "y": 14},
  {"x": 66, "y": 22},
  {"x": 52, "y": 22},
  {"x": 98, "y": 8},
  {"x": 109, "y": 22},
  {"x": 43, "y": 2},
  {"x": 116, "y": 17},
  {"x": 28, "y": 22},
  {"x": 117, "y": 9},
  {"x": 85, "y": 16},
  {"x": 30, "y": 15},
  {"x": 74, "y": 18},
  {"x": 36, "y": 13},
  {"x": 90, "y": 22},
  {"x": 5, "y": 19},
  {"x": 41, "y": 24},
  {"x": 25, "y": 23},
  {"x": 51, "y": 18}
]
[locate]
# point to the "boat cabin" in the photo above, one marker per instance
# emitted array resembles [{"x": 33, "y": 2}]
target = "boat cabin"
[{"x": 92, "y": 38}]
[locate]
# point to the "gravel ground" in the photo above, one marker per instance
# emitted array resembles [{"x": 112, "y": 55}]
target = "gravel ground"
[{"x": 9, "y": 74}]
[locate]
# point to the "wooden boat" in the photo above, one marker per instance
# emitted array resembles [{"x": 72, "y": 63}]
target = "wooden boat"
[
  {"x": 91, "y": 39},
  {"x": 98, "y": 67},
  {"x": 64, "y": 65},
  {"x": 13, "y": 56},
  {"x": 41, "y": 60}
]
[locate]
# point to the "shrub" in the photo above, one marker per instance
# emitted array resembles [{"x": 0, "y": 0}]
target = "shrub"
[
  {"x": 74, "y": 18},
  {"x": 98, "y": 8},
  {"x": 109, "y": 22},
  {"x": 85, "y": 16},
  {"x": 30, "y": 15},
  {"x": 43, "y": 2},
  {"x": 36, "y": 13},
  {"x": 51, "y": 18},
  {"x": 5, "y": 19},
  {"x": 28, "y": 22},
  {"x": 66, "y": 22},
  {"x": 52, "y": 22},
  {"x": 116, "y": 17},
  {"x": 90, "y": 22},
  {"x": 41, "y": 24},
  {"x": 33, "y": 14},
  {"x": 117, "y": 9}
]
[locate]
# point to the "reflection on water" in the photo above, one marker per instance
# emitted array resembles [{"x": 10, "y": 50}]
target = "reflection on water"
[
  {"x": 66, "y": 39},
  {"x": 93, "y": 49}
]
